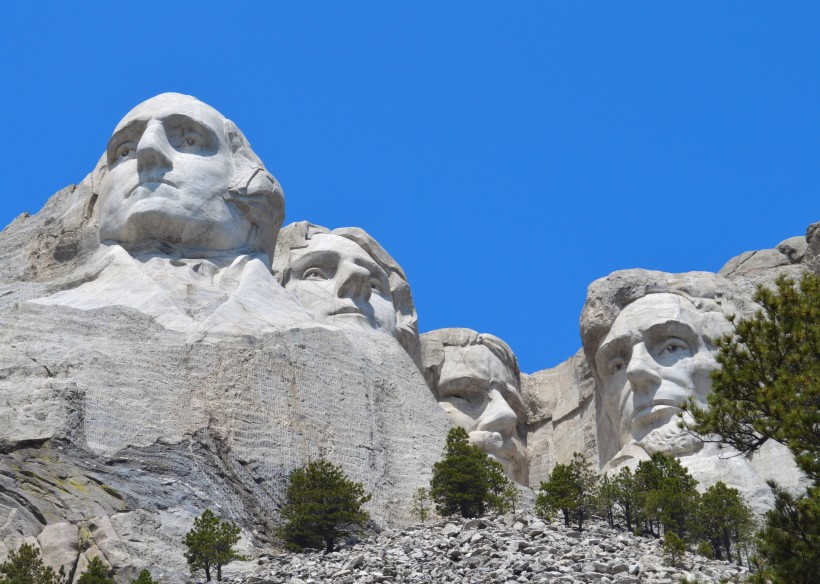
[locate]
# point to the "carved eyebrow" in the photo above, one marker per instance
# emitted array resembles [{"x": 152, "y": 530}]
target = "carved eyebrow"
[
  {"x": 310, "y": 259},
  {"x": 615, "y": 346},
  {"x": 176, "y": 120},
  {"x": 372, "y": 267},
  {"x": 672, "y": 328},
  {"x": 130, "y": 131},
  {"x": 473, "y": 386}
]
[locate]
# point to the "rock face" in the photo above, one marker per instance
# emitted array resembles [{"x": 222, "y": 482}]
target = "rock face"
[
  {"x": 561, "y": 416},
  {"x": 507, "y": 549},
  {"x": 616, "y": 403},
  {"x": 164, "y": 348},
  {"x": 151, "y": 365},
  {"x": 476, "y": 380}
]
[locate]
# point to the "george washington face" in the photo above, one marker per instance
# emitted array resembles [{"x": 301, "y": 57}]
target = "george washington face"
[{"x": 169, "y": 166}]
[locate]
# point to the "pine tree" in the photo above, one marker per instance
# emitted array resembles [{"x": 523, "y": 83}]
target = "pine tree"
[
  {"x": 96, "y": 573},
  {"x": 570, "y": 488},
  {"x": 607, "y": 493},
  {"x": 421, "y": 504},
  {"x": 668, "y": 495},
  {"x": 673, "y": 548},
  {"x": 465, "y": 481},
  {"x": 322, "y": 505},
  {"x": 724, "y": 520},
  {"x": 626, "y": 497},
  {"x": 145, "y": 578},
  {"x": 768, "y": 386},
  {"x": 210, "y": 544},
  {"x": 24, "y": 566},
  {"x": 789, "y": 542}
]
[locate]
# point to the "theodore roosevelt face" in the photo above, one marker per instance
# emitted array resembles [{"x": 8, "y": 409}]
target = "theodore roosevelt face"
[
  {"x": 473, "y": 389},
  {"x": 654, "y": 358},
  {"x": 340, "y": 284},
  {"x": 169, "y": 165}
]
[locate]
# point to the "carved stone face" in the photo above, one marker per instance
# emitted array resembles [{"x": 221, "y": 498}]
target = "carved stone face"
[
  {"x": 473, "y": 389},
  {"x": 340, "y": 284},
  {"x": 654, "y": 358},
  {"x": 169, "y": 167}
]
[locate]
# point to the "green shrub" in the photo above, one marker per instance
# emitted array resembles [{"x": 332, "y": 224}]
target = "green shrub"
[
  {"x": 210, "y": 544},
  {"x": 24, "y": 566},
  {"x": 322, "y": 505}
]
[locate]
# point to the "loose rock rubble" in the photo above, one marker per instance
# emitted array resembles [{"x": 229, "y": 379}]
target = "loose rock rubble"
[{"x": 505, "y": 550}]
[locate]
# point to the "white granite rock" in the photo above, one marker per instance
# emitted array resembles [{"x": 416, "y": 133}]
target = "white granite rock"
[
  {"x": 476, "y": 380},
  {"x": 503, "y": 549},
  {"x": 561, "y": 416},
  {"x": 649, "y": 340},
  {"x": 151, "y": 365}
]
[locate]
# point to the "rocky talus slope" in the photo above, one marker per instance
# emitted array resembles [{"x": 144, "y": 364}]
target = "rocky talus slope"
[{"x": 503, "y": 550}]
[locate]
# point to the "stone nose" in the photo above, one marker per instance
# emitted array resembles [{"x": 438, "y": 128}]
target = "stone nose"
[
  {"x": 353, "y": 281},
  {"x": 641, "y": 371},
  {"x": 498, "y": 416},
  {"x": 153, "y": 150}
]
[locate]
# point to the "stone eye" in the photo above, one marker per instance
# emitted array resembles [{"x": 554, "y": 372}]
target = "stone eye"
[
  {"x": 674, "y": 347},
  {"x": 314, "y": 274},
  {"x": 124, "y": 152},
  {"x": 190, "y": 141},
  {"x": 616, "y": 364}
]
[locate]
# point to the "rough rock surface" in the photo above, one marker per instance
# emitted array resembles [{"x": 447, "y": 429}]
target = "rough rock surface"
[
  {"x": 501, "y": 550},
  {"x": 564, "y": 404},
  {"x": 122, "y": 431},
  {"x": 560, "y": 414}
]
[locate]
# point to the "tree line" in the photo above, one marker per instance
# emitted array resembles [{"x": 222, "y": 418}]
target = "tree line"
[{"x": 767, "y": 389}]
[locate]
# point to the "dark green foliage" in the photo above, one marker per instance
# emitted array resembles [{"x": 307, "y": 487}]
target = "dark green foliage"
[
  {"x": 626, "y": 498},
  {"x": 24, "y": 566},
  {"x": 466, "y": 481},
  {"x": 210, "y": 544},
  {"x": 510, "y": 497},
  {"x": 705, "y": 550},
  {"x": 570, "y": 489},
  {"x": 724, "y": 520},
  {"x": 145, "y": 578},
  {"x": 768, "y": 387},
  {"x": 497, "y": 485},
  {"x": 667, "y": 495},
  {"x": 96, "y": 573},
  {"x": 789, "y": 542},
  {"x": 421, "y": 504},
  {"x": 321, "y": 506},
  {"x": 673, "y": 548}
]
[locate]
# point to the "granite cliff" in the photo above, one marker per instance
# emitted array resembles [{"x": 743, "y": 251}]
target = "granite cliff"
[{"x": 166, "y": 346}]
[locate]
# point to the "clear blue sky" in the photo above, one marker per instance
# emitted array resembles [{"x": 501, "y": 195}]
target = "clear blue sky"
[{"x": 505, "y": 153}]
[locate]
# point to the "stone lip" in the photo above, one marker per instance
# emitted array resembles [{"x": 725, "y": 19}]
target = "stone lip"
[{"x": 504, "y": 549}]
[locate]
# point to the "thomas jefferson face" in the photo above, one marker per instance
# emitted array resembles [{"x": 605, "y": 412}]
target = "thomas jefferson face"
[
  {"x": 654, "y": 358},
  {"x": 169, "y": 166},
  {"x": 340, "y": 284},
  {"x": 473, "y": 390}
]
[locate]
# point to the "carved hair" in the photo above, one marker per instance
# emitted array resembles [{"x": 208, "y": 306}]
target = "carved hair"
[
  {"x": 433, "y": 356},
  {"x": 296, "y": 236},
  {"x": 607, "y": 297},
  {"x": 254, "y": 191}
]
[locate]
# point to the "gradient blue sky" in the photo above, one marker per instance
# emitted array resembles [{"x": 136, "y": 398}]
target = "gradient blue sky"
[{"x": 505, "y": 153}]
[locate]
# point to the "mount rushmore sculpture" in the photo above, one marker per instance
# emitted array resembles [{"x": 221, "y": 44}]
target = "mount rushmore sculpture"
[{"x": 168, "y": 346}]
